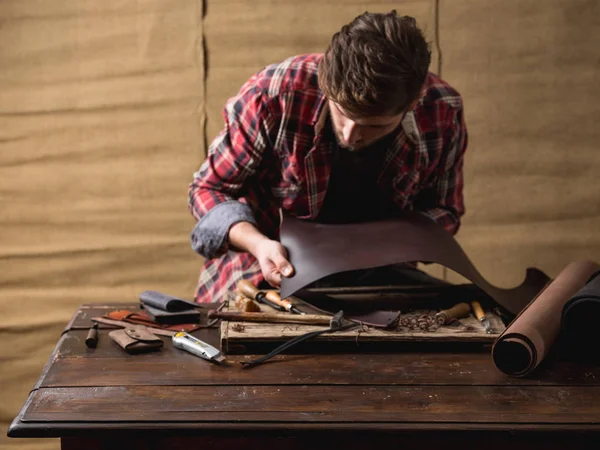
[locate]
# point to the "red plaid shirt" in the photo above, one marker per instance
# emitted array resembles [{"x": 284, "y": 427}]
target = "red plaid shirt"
[{"x": 271, "y": 155}]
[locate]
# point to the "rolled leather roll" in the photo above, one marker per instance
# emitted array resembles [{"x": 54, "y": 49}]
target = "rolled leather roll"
[
  {"x": 581, "y": 313},
  {"x": 527, "y": 340}
]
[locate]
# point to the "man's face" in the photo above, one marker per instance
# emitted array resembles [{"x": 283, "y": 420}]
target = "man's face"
[{"x": 356, "y": 133}]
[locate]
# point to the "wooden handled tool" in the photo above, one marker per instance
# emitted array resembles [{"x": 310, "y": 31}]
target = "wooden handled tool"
[
  {"x": 91, "y": 340},
  {"x": 270, "y": 298},
  {"x": 480, "y": 315},
  {"x": 245, "y": 304},
  {"x": 458, "y": 311},
  {"x": 305, "y": 319}
]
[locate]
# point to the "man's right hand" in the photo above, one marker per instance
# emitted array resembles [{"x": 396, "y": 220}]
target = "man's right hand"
[{"x": 271, "y": 255}]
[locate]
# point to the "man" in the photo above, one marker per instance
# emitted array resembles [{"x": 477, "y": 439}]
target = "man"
[{"x": 359, "y": 133}]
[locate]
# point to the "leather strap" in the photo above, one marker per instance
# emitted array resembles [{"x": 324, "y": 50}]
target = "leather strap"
[
  {"x": 142, "y": 318},
  {"x": 121, "y": 324},
  {"x": 336, "y": 325}
]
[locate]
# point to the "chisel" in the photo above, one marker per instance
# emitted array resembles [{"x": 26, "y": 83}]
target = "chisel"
[
  {"x": 270, "y": 298},
  {"x": 480, "y": 315}
]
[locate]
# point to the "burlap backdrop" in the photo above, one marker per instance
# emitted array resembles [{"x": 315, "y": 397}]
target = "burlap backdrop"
[{"x": 102, "y": 108}]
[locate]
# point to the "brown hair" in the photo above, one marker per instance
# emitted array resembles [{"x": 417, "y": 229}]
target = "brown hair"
[{"x": 376, "y": 65}]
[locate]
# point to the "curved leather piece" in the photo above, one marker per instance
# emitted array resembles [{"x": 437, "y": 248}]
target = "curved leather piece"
[
  {"x": 529, "y": 337},
  {"x": 318, "y": 250}
]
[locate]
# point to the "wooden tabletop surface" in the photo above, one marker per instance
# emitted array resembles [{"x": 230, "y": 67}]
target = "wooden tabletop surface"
[{"x": 425, "y": 389}]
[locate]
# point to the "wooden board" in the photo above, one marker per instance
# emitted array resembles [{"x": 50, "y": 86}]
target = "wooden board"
[{"x": 249, "y": 337}]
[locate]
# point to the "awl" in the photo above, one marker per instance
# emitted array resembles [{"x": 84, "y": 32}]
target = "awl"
[
  {"x": 270, "y": 298},
  {"x": 458, "y": 311},
  {"x": 480, "y": 315}
]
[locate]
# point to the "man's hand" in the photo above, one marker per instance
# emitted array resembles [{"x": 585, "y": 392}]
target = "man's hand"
[{"x": 271, "y": 255}]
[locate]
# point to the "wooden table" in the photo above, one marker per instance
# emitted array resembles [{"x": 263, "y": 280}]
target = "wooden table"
[{"x": 427, "y": 397}]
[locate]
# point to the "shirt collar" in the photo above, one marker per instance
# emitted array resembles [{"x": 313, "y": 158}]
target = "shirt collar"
[
  {"x": 410, "y": 127},
  {"x": 319, "y": 113}
]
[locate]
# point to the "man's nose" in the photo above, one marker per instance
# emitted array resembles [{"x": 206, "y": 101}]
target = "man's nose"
[{"x": 350, "y": 132}]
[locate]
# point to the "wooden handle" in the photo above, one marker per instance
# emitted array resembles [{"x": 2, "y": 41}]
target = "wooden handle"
[
  {"x": 247, "y": 289},
  {"x": 276, "y": 298},
  {"x": 308, "y": 319},
  {"x": 245, "y": 304},
  {"x": 458, "y": 311},
  {"x": 91, "y": 341},
  {"x": 477, "y": 310}
]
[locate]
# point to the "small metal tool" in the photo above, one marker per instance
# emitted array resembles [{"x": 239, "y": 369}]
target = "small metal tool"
[
  {"x": 195, "y": 346},
  {"x": 504, "y": 315},
  {"x": 480, "y": 315}
]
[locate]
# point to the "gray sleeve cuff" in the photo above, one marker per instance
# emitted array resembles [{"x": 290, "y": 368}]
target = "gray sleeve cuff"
[{"x": 210, "y": 233}]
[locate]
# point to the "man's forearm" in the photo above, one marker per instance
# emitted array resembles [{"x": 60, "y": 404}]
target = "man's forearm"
[
  {"x": 210, "y": 236},
  {"x": 246, "y": 237}
]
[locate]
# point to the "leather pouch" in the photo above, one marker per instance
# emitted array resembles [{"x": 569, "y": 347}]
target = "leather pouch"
[{"x": 136, "y": 340}]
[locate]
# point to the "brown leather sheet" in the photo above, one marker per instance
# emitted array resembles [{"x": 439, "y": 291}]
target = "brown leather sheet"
[
  {"x": 527, "y": 340},
  {"x": 318, "y": 250}
]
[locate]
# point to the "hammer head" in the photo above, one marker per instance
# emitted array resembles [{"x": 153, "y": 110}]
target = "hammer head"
[{"x": 337, "y": 321}]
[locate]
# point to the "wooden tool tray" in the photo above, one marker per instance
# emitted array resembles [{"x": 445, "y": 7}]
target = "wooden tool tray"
[{"x": 257, "y": 338}]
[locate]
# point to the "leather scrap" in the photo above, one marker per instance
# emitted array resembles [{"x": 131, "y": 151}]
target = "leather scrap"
[
  {"x": 121, "y": 324},
  {"x": 143, "y": 318},
  {"x": 318, "y": 250},
  {"x": 527, "y": 340}
]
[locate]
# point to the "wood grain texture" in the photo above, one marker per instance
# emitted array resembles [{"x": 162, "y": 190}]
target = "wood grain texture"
[
  {"x": 350, "y": 440},
  {"x": 108, "y": 365},
  {"x": 512, "y": 405}
]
